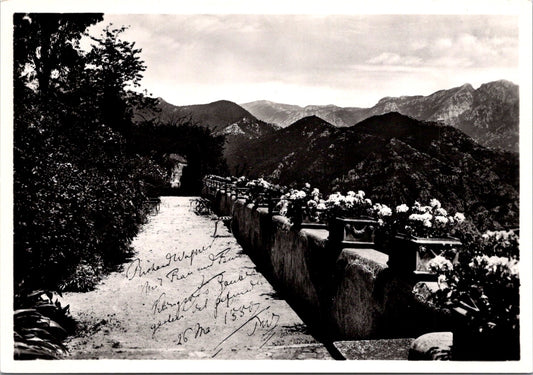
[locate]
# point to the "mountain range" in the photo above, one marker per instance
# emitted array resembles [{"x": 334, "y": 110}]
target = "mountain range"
[
  {"x": 394, "y": 159},
  {"x": 488, "y": 114},
  {"x": 221, "y": 117}
]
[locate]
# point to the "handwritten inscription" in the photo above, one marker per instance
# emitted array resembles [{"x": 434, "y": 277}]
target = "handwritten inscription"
[
  {"x": 139, "y": 268},
  {"x": 202, "y": 298},
  {"x": 190, "y": 333}
]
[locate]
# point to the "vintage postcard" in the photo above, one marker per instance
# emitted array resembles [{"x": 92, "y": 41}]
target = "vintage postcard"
[{"x": 281, "y": 187}]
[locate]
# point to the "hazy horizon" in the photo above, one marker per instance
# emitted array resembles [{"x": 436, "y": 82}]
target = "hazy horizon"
[{"x": 333, "y": 104}]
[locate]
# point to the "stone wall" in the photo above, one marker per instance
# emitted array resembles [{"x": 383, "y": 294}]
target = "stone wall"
[{"x": 348, "y": 293}]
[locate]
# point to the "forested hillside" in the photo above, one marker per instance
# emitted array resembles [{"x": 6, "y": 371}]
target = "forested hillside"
[{"x": 395, "y": 159}]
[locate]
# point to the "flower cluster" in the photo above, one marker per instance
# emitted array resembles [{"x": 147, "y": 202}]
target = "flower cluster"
[
  {"x": 305, "y": 204},
  {"x": 440, "y": 264},
  {"x": 260, "y": 184},
  {"x": 382, "y": 212},
  {"x": 484, "y": 284},
  {"x": 502, "y": 266},
  {"x": 500, "y": 243},
  {"x": 350, "y": 205},
  {"x": 425, "y": 220}
]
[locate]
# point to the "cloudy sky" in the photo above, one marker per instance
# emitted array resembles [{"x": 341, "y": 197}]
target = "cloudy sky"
[{"x": 311, "y": 59}]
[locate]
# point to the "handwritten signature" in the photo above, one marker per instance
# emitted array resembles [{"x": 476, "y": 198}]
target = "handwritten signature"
[
  {"x": 138, "y": 268},
  {"x": 270, "y": 323}
]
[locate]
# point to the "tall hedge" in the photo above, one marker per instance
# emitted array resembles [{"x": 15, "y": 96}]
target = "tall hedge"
[{"x": 79, "y": 195}]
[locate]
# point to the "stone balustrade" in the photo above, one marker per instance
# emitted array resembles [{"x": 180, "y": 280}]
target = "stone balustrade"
[{"x": 344, "y": 293}]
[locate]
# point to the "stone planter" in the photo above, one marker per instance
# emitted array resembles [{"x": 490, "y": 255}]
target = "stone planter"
[
  {"x": 471, "y": 345},
  {"x": 242, "y": 193},
  {"x": 411, "y": 255},
  {"x": 358, "y": 233}
]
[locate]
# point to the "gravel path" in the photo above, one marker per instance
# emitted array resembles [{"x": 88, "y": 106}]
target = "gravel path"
[{"x": 187, "y": 295}]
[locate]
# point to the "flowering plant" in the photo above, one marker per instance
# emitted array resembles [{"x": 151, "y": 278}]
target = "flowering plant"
[
  {"x": 257, "y": 190},
  {"x": 484, "y": 285},
  {"x": 423, "y": 220},
  {"x": 382, "y": 212},
  {"x": 350, "y": 205},
  {"x": 304, "y": 204}
]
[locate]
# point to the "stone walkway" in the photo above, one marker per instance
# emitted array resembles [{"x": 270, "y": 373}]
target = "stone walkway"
[{"x": 187, "y": 295}]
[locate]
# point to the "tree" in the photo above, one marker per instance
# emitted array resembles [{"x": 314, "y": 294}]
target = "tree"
[
  {"x": 45, "y": 47},
  {"x": 113, "y": 68},
  {"x": 79, "y": 194}
]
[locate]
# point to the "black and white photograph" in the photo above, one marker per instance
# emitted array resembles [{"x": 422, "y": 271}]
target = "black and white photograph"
[{"x": 312, "y": 187}]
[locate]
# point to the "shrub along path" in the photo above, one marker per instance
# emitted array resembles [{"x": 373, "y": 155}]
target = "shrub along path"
[{"x": 187, "y": 295}]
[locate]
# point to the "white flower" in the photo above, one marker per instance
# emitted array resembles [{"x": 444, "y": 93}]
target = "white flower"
[
  {"x": 308, "y": 185},
  {"x": 459, "y": 217},
  {"x": 311, "y": 204},
  {"x": 315, "y": 192},
  {"x": 513, "y": 266},
  {"x": 427, "y": 223},
  {"x": 441, "y": 212},
  {"x": 402, "y": 208},
  {"x": 416, "y": 217},
  {"x": 427, "y": 216},
  {"x": 321, "y": 206},
  {"x": 350, "y": 200},
  {"x": 334, "y": 197},
  {"x": 361, "y": 194},
  {"x": 300, "y": 194},
  {"x": 440, "y": 263},
  {"x": 441, "y": 219},
  {"x": 382, "y": 210},
  {"x": 368, "y": 202},
  {"x": 350, "y": 194},
  {"x": 494, "y": 262},
  {"x": 435, "y": 203}
]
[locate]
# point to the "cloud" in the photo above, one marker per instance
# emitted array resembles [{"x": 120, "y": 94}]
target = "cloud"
[
  {"x": 387, "y": 58},
  {"x": 317, "y": 58}
]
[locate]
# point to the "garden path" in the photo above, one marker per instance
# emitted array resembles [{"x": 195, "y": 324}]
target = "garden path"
[{"x": 187, "y": 295}]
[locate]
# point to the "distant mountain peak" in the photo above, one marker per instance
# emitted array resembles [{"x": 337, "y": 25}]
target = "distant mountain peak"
[
  {"x": 467, "y": 86},
  {"x": 489, "y": 114},
  {"x": 223, "y": 102},
  {"x": 312, "y": 120}
]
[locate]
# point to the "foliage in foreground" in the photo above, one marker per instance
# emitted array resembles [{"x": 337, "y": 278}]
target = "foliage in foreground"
[
  {"x": 484, "y": 284},
  {"x": 40, "y": 326},
  {"x": 79, "y": 195}
]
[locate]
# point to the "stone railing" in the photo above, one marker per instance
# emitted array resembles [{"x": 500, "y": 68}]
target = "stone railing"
[{"x": 342, "y": 292}]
